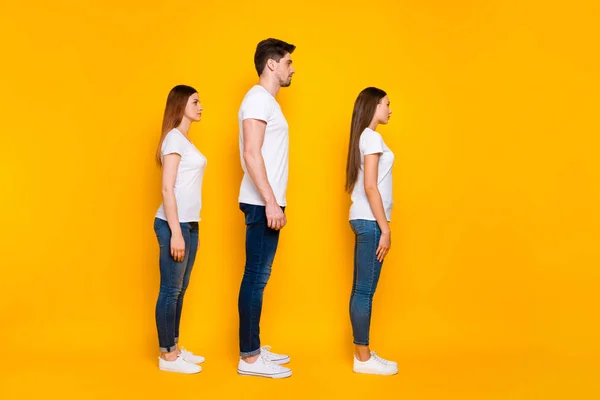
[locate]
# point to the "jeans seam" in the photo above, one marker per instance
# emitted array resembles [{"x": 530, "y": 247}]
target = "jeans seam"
[
  {"x": 355, "y": 275},
  {"x": 171, "y": 269},
  {"x": 262, "y": 241},
  {"x": 186, "y": 258},
  {"x": 371, "y": 284},
  {"x": 260, "y": 259}
]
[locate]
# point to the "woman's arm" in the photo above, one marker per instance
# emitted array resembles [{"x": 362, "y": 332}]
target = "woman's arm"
[
  {"x": 371, "y": 176},
  {"x": 169, "y": 176}
]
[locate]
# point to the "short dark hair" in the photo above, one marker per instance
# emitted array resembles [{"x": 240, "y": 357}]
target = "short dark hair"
[{"x": 270, "y": 49}]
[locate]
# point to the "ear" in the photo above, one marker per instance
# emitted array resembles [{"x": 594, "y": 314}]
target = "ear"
[{"x": 271, "y": 64}]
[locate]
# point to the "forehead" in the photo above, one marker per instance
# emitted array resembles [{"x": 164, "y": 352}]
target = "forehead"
[{"x": 194, "y": 97}]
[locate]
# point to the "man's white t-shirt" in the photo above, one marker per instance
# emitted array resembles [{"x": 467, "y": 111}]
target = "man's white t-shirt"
[
  {"x": 371, "y": 142},
  {"x": 261, "y": 105},
  {"x": 188, "y": 185}
]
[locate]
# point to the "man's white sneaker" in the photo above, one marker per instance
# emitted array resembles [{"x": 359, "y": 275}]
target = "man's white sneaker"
[
  {"x": 263, "y": 367},
  {"x": 179, "y": 365},
  {"x": 274, "y": 357},
  {"x": 383, "y": 360},
  {"x": 191, "y": 357},
  {"x": 375, "y": 366}
]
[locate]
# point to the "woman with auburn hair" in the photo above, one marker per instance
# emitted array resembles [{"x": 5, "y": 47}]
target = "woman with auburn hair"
[
  {"x": 176, "y": 223},
  {"x": 369, "y": 180}
]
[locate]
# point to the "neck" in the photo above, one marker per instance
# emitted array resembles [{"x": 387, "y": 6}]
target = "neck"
[
  {"x": 373, "y": 125},
  {"x": 271, "y": 85},
  {"x": 184, "y": 126}
]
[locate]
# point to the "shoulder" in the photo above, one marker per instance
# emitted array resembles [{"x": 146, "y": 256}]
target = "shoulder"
[
  {"x": 257, "y": 93},
  {"x": 369, "y": 135},
  {"x": 175, "y": 142},
  {"x": 175, "y": 136}
]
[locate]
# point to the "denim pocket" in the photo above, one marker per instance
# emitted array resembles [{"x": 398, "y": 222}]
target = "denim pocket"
[
  {"x": 163, "y": 232},
  {"x": 252, "y": 213},
  {"x": 358, "y": 225}
]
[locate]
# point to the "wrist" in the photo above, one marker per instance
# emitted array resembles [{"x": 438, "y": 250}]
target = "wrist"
[{"x": 271, "y": 202}]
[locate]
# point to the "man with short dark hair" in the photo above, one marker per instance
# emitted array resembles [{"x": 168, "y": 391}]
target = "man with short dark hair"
[{"x": 264, "y": 157}]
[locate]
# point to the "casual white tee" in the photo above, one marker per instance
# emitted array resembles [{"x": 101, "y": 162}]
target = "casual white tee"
[
  {"x": 188, "y": 185},
  {"x": 371, "y": 142},
  {"x": 261, "y": 105}
]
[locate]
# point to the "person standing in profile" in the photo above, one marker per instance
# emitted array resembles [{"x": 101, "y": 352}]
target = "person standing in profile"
[
  {"x": 369, "y": 180},
  {"x": 176, "y": 223},
  {"x": 263, "y": 141}
]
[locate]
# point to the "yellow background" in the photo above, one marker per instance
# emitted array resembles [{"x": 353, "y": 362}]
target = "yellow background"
[{"x": 491, "y": 288}]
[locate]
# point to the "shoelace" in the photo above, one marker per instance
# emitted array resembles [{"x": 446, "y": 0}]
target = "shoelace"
[
  {"x": 266, "y": 351},
  {"x": 268, "y": 363},
  {"x": 379, "y": 359},
  {"x": 184, "y": 352}
]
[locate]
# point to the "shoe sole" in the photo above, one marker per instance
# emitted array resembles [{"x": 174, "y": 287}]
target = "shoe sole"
[
  {"x": 376, "y": 373},
  {"x": 281, "y": 361},
  {"x": 274, "y": 376},
  {"x": 180, "y": 372}
]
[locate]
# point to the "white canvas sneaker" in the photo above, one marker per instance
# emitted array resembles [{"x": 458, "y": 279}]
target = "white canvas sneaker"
[
  {"x": 375, "y": 366},
  {"x": 274, "y": 357},
  {"x": 263, "y": 367},
  {"x": 179, "y": 365},
  {"x": 191, "y": 357},
  {"x": 383, "y": 360}
]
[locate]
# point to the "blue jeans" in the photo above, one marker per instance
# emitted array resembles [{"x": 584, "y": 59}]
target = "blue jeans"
[
  {"x": 261, "y": 245},
  {"x": 174, "y": 280},
  {"x": 366, "y": 275}
]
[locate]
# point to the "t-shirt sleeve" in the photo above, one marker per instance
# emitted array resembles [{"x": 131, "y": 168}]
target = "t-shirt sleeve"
[
  {"x": 173, "y": 143},
  {"x": 371, "y": 142},
  {"x": 256, "y": 107}
]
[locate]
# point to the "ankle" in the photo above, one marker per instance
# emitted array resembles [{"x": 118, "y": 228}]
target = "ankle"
[
  {"x": 362, "y": 353},
  {"x": 251, "y": 359},
  {"x": 170, "y": 356}
]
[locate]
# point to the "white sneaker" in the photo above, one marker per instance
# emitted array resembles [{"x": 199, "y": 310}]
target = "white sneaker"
[
  {"x": 179, "y": 365},
  {"x": 263, "y": 367},
  {"x": 190, "y": 357},
  {"x": 383, "y": 360},
  {"x": 274, "y": 357},
  {"x": 375, "y": 366}
]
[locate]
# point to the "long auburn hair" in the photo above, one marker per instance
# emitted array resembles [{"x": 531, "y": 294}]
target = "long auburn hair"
[
  {"x": 364, "y": 111},
  {"x": 174, "y": 110}
]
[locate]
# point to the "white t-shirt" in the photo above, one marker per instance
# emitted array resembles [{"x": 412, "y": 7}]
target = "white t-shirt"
[
  {"x": 260, "y": 104},
  {"x": 188, "y": 185},
  {"x": 371, "y": 142}
]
